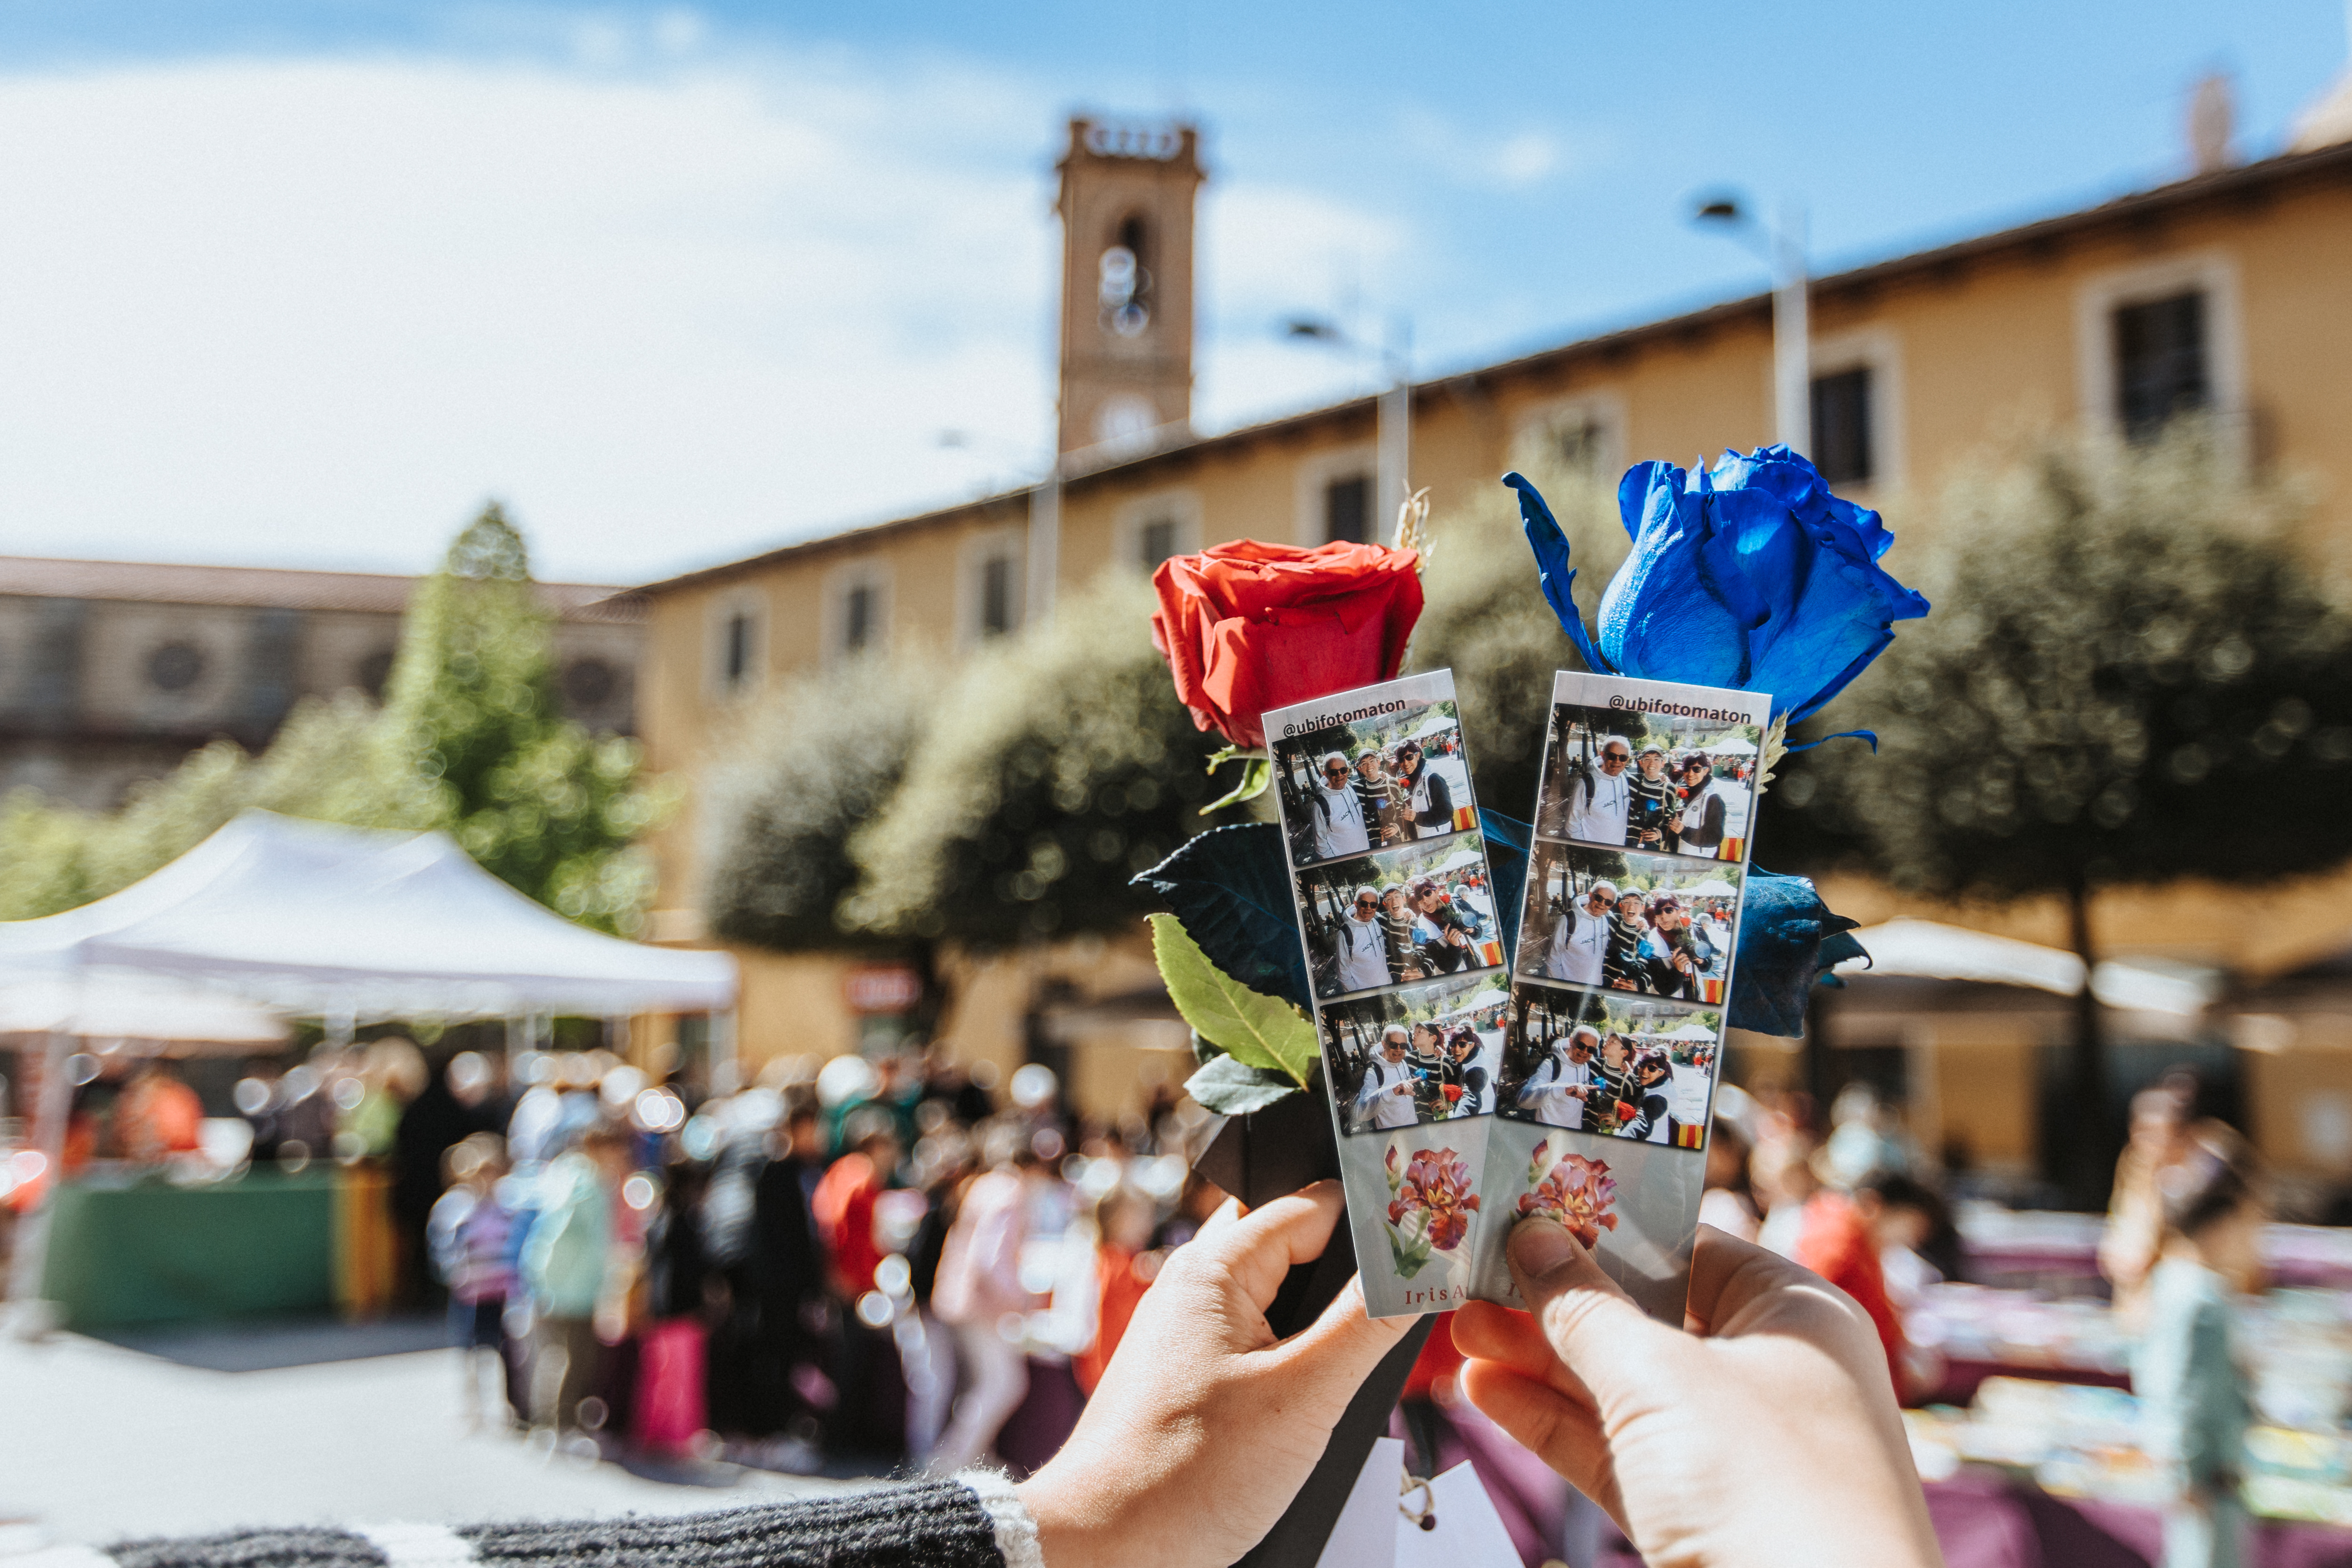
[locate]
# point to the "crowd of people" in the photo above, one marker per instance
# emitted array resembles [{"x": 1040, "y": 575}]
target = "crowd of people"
[
  {"x": 865, "y": 1269},
  {"x": 1642, "y": 798},
  {"x": 1655, "y": 943}
]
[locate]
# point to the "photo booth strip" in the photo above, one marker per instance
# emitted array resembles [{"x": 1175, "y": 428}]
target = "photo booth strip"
[
  {"x": 1412, "y": 1131},
  {"x": 1626, "y": 1176}
]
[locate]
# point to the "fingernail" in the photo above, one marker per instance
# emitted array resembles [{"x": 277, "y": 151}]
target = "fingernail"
[{"x": 1539, "y": 1247}]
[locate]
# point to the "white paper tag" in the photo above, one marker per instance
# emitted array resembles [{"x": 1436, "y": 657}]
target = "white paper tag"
[{"x": 1374, "y": 1530}]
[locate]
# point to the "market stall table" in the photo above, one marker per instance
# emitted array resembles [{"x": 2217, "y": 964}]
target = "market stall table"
[{"x": 127, "y": 1249}]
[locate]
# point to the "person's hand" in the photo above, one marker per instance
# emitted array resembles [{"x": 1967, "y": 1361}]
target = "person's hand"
[
  {"x": 1766, "y": 1435},
  {"x": 1205, "y": 1426}
]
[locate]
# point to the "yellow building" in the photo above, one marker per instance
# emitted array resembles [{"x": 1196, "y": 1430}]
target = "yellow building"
[{"x": 2231, "y": 291}]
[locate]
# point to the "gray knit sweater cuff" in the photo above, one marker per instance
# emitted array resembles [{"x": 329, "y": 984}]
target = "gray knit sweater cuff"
[{"x": 973, "y": 1521}]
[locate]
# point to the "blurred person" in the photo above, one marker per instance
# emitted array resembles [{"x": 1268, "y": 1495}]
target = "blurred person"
[
  {"x": 1728, "y": 1202},
  {"x": 670, "y": 1404},
  {"x": 432, "y": 1123},
  {"x": 979, "y": 1295},
  {"x": 467, "y": 1236},
  {"x": 574, "y": 1272},
  {"x": 1123, "y": 1267},
  {"x": 2165, "y": 1136},
  {"x": 1865, "y": 1135},
  {"x": 2187, "y": 1372},
  {"x": 1783, "y": 1181},
  {"x": 391, "y": 1073},
  {"x": 158, "y": 1115},
  {"x": 1844, "y": 1235},
  {"x": 869, "y": 1410}
]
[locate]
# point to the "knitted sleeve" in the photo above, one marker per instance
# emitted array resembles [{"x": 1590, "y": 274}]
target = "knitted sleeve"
[{"x": 972, "y": 1521}]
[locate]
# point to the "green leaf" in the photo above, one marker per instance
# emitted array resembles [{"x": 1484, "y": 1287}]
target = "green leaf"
[
  {"x": 1258, "y": 776},
  {"x": 1258, "y": 1030},
  {"x": 1232, "y": 1088}
]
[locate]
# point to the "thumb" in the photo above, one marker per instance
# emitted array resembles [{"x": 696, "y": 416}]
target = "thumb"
[{"x": 1591, "y": 1323}]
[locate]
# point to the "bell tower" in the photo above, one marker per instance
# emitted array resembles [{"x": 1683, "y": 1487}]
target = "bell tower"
[{"x": 1127, "y": 281}]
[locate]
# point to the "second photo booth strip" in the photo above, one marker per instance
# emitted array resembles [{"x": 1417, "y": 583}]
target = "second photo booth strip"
[{"x": 1613, "y": 1041}]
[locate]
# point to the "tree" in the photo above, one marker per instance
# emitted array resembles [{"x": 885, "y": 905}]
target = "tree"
[
  {"x": 1484, "y": 619},
  {"x": 541, "y": 804},
  {"x": 471, "y": 741},
  {"x": 1059, "y": 764},
  {"x": 2131, "y": 677}
]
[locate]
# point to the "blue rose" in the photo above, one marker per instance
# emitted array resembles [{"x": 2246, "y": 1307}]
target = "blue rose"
[
  {"x": 1753, "y": 576},
  {"x": 1787, "y": 940}
]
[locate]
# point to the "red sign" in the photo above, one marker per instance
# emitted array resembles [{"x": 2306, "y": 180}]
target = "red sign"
[{"x": 881, "y": 988}]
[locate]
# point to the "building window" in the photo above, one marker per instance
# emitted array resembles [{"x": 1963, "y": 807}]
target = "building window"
[
  {"x": 735, "y": 654},
  {"x": 374, "y": 672},
  {"x": 2161, "y": 364},
  {"x": 1842, "y": 434},
  {"x": 590, "y": 683},
  {"x": 996, "y": 595},
  {"x": 858, "y": 617},
  {"x": 1581, "y": 442},
  {"x": 1348, "y": 509},
  {"x": 175, "y": 667},
  {"x": 1156, "y": 541}
]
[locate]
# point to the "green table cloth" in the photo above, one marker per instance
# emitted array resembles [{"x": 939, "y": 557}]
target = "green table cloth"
[{"x": 145, "y": 1251}]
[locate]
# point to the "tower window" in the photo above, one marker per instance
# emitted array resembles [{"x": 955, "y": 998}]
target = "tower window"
[
  {"x": 1348, "y": 509},
  {"x": 1156, "y": 542},
  {"x": 1842, "y": 435},
  {"x": 1123, "y": 287},
  {"x": 995, "y": 595},
  {"x": 175, "y": 667},
  {"x": 2161, "y": 364},
  {"x": 858, "y": 618}
]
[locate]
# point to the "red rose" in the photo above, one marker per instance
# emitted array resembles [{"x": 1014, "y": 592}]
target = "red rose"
[{"x": 1247, "y": 626}]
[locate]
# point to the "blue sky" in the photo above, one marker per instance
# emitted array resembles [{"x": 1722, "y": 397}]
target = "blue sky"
[{"x": 302, "y": 285}]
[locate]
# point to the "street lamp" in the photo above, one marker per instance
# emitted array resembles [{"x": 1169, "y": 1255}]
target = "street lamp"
[
  {"x": 1783, "y": 244},
  {"x": 1392, "y": 485}
]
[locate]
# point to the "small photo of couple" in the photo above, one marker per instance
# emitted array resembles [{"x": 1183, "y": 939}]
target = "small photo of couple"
[
  {"x": 1615, "y": 1066},
  {"x": 1429, "y": 1053},
  {"x": 1375, "y": 784},
  {"x": 1654, "y": 782},
  {"x": 1652, "y": 924},
  {"x": 1392, "y": 919}
]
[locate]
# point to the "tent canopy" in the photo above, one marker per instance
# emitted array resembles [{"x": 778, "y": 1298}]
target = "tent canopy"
[
  {"x": 124, "y": 1004},
  {"x": 320, "y": 921}
]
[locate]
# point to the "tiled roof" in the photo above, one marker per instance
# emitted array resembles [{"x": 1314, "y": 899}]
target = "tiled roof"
[{"x": 32, "y": 577}]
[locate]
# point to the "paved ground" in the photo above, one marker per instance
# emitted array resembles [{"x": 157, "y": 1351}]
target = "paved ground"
[{"x": 101, "y": 1442}]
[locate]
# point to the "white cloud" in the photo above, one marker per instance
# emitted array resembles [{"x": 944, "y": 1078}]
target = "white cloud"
[
  {"x": 318, "y": 311},
  {"x": 671, "y": 307},
  {"x": 1494, "y": 160}
]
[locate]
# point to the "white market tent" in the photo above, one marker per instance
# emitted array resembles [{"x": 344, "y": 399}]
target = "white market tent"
[
  {"x": 1489, "y": 997},
  {"x": 1732, "y": 744},
  {"x": 1438, "y": 724},
  {"x": 1693, "y": 1032},
  {"x": 359, "y": 925},
  {"x": 1712, "y": 888},
  {"x": 124, "y": 1004}
]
